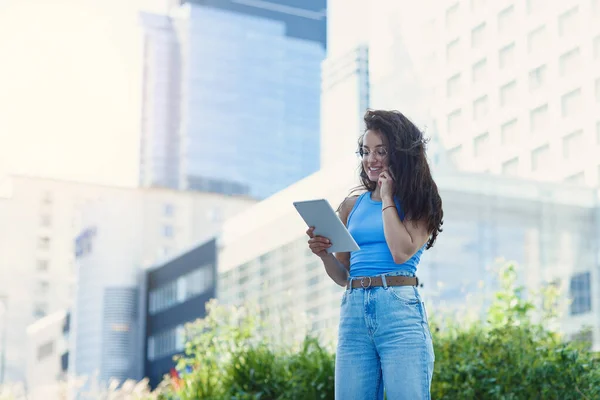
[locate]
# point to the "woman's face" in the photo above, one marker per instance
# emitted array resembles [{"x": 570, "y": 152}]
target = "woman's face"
[{"x": 374, "y": 154}]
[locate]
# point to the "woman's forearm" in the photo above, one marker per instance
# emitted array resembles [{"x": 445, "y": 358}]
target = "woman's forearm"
[
  {"x": 398, "y": 238},
  {"x": 335, "y": 269}
]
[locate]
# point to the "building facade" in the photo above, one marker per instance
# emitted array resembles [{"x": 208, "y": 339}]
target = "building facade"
[
  {"x": 40, "y": 217},
  {"x": 176, "y": 294},
  {"x": 248, "y": 95},
  {"x": 513, "y": 86},
  {"x": 46, "y": 358},
  {"x": 120, "y": 236},
  {"x": 344, "y": 100},
  {"x": 161, "y": 99},
  {"x": 550, "y": 231}
]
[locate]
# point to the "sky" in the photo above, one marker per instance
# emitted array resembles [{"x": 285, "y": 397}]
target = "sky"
[{"x": 70, "y": 89}]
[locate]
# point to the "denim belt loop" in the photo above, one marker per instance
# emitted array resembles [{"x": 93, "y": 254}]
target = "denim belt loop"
[
  {"x": 350, "y": 284},
  {"x": 384, "y": 282}
]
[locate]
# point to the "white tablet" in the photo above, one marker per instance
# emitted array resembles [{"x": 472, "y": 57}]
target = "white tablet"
[{"x": 320, "y": 214}]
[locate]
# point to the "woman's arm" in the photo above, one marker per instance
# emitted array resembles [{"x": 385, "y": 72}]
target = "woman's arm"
[
  {"x": 337, "y": 265},
  {"x": 404, "y": 238}
]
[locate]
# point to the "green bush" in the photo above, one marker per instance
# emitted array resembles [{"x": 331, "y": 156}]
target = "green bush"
[{"x": 507, "y": 357}]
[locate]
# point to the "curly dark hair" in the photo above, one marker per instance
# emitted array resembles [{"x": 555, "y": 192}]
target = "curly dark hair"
[{"x": 414, "y": 186}]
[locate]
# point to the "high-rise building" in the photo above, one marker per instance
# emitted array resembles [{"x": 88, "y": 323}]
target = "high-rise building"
[
  {"x": 120, "y": 236},
  {"x": 514, "y": 86},
  {"x": 344, "y": 100},
  {"x": 249, "y": 92},
  {"x": 161, "y": 92}
]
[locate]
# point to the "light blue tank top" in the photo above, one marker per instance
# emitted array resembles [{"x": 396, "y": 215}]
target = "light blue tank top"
[{"x": 365, "y": 223}]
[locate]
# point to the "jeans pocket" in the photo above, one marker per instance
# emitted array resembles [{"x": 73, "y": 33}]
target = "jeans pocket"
[
  {"x": 406, "y": 294},
  {"x": 344, "y": 297}
]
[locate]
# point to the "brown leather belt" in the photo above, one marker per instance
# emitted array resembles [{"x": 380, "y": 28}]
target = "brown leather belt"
[{"x": 376, "y": 281}]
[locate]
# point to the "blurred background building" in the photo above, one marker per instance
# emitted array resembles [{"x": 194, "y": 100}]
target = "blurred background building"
[
  {"x": 47, "y": 358},
  {"x": 231, "y": 95},
  {"x": 549, "y": 230},
  {"x": 40, "y": 219},
  {"x": 119, "y": 237}
]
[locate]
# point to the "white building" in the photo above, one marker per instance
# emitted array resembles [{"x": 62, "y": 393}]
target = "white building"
[
  {"x": 344, "y": 100},
  {"x": 550, "y": 230},
  {"x": 40, "y": 219},
  {"x": 514, "y": 86},
  {"x": 120, "y": 235},
  {"x": 46, "y": 356}
]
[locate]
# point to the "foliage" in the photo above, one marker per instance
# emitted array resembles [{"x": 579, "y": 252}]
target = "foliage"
[
  {"x": 511, "y": 358},
  {"x": 506, "y": 357}
]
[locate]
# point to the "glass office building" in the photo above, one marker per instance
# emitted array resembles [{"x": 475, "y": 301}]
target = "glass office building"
[{"x": 250, "y": 85}]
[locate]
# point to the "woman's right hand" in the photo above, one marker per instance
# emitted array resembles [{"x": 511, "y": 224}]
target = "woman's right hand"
[{"x": 318, "y": 244}]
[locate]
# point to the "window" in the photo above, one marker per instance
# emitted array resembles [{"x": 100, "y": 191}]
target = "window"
[
  {"x": 480, "y": 108},
  {"x": 168, "y": 210},
  {"x": 43, "y": 286},
  {"x": 454, "y": 121},
  {"x": 40, "y": 310},
  {"x": 187, "y": 286},
  {"x": 568, "y": 22},
  {"x": 573, "y": 144},
  {"x": 45, "y": 220},
  {"x": 44, "y": 243},
  {"x": 168, "y": 231},
  {"x": 537, "y": 77},
  {"x": 42, "y": 265},
  {"x": 166, "y": 343},
  {"x": 570, "y": 62},
  {"x": 571, "y": 103},
  {"x": 506, "y": 20},
  {"x": 508, "y": 94},
  {"x": 509, "y": 133},
  {"x": 537, "y": 39},
  {"x": 481, "y": 144},
  {"x": 455, "y": 154},
  {"x": 199, "y": 281},
  {"x": 163, "y": 297},
  {"x": 576, "y": 179},
  {"x": 452, "y": 17},
  {"x": 453, "y": 51},
  {"x": 453, "y": 86},
  {"x": 45, "y": 350},
  {"x": 540, "y": 157},
  {"x": 511, "y": 167},
  {"x": 539, "y": 118},
  {"x": 507, "y": 56},
  {"x": 580, "y": 293},
  {"x": 47, "y": 198},
  {"x": 479, "y": 71},
  {"x": 478, "y": 36}
]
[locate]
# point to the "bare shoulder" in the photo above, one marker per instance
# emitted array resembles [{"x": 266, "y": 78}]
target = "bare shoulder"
[{"x": 346, "y": 207}]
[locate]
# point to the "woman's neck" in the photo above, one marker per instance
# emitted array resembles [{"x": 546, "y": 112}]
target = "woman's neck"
[{"x": 376, "y": 194}]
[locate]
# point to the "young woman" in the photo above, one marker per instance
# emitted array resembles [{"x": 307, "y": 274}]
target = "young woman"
[{"x": 384, "y": 338}]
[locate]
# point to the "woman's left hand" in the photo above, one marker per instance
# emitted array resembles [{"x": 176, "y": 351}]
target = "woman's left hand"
[{"x": 386, "y": 185}]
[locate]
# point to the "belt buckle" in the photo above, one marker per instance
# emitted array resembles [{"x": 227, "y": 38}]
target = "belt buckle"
[{"x": 362, "y": 282}]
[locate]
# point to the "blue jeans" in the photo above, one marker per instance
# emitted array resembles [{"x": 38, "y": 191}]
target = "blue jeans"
[{"x": 384, "y": 341}]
